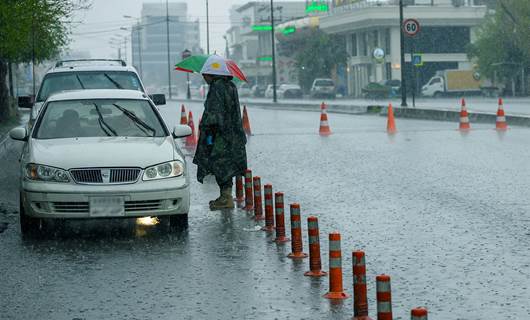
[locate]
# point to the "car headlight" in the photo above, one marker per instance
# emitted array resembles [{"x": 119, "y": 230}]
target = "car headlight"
[
  {"x": 164, "y": 170},
  {"x": 40, "y": 172}
]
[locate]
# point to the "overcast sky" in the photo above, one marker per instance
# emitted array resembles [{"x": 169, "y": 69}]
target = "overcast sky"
[{"x": 103, "y": 21}]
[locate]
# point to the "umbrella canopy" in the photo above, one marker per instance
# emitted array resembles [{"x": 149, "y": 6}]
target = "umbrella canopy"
[{"x": 211, "y": 64}]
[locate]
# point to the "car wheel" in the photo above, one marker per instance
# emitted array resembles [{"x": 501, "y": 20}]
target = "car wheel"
[
  {"x": 28, "y": 225},
  {"x": 178, "y": 221},
  {"x": 437, "y": 94}
]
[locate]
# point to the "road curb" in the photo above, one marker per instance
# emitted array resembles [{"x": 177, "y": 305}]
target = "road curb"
[{"x": 399, "y": 112}]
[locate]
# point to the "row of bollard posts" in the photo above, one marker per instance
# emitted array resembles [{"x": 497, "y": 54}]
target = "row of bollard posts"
[{"x": 274, "y": 216}]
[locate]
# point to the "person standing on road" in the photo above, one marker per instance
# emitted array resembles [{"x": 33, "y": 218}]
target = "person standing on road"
[{"x": 221, "y": 146}]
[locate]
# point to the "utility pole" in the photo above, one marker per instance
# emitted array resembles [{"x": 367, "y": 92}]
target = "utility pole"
[
  {"x": 207, "y": 30},
  {"x": 168, "y": 56},
  {"x": 402, "y": 45},
  {"x": 140, "y": 50},
  {"x": 274, "y": 97}
]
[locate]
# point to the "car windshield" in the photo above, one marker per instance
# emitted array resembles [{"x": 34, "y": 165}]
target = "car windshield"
[
  {"x": 99, "y": 118},
  {"x": 324, "y": 83},
  {"x": 78, "y": 80}
]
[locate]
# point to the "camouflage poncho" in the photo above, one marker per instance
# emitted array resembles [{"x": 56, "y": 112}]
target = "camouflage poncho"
[{"x": 226, "y": 157}]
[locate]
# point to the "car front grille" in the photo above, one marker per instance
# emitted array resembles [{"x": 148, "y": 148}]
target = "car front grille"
[
  {"x": 105, "y": 175},
  {"x": 130, "y": 206},
  {"x": 134, "y": 206},
  {"x": 70, "y": 207}
]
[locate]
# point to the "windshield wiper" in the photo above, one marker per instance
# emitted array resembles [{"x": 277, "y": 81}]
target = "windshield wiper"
[
  {"x": 137, "y": 121},
  {"x": 114, "y": 82},
  {"x": 80, "y": 82},
  {"x": 102, "y": 123}
]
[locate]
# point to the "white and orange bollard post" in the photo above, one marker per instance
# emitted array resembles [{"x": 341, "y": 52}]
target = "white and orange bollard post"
[
  {"x": 258, "y": 203},
  {"x": 280, "y": 219},
  {"x": 249, "y": 196},
  {"x": 384, "y": 297},
  {"x": 315, "y": 263},
  {"x": 269, "y": 208},
  {"x": 296, "y": 233},
  {"x": 360, "y": 296},
  {"x": 336, "y": 290},
  {"x": 419, "y": 313}
]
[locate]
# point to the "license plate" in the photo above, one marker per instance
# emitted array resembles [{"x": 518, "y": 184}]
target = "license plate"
[{"x": 107, "y": 206}]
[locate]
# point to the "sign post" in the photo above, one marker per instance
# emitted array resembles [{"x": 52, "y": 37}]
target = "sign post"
[
  {"x": 186, "y": 54},
  {"x": 411, "y": 27}
]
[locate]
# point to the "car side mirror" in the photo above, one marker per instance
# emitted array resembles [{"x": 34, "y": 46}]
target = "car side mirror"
[
  {"x": 19, "y": 133},
  {"x": 158, "y": 99},
  {"x": 25, "y": 102},
  {"x": 181, "y": 131}
]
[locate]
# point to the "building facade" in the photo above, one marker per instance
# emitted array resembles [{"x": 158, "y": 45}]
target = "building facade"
[
  {"x": 447, "y": 27},
  {"x": 149, "y": 42},
  {"x": 250, "y": 36}
]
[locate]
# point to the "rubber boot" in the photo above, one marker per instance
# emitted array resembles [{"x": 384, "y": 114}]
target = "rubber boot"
[{"x": 225, "y": 201}]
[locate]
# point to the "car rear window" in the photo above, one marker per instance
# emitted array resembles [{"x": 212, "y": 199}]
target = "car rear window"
[
  {"x": 78, "y": 80},
  {"x": 99, "y": 118},
  {"x": 324, "y": 83}
]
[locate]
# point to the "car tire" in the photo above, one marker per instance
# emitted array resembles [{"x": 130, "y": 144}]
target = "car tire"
[
  {"x": 28, "y": 225},
  {"x": 178, "y": 221},
  {"x": 437, "y": 94}
]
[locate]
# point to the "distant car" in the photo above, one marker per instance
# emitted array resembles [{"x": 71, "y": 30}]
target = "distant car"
[
  {"x": 269, "y": 91},
  {"x": 244, "y": 90},
  {"x": 258, "y": 91},
  {"x": 290, "y": 91},
  {"x": 101, "y": 154},
  {"x": 323, "y": 88},
  {"x": 86, "y": 74}
]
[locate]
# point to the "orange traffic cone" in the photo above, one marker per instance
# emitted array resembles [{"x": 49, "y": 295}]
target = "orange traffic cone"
[
  {"x": 324, "y": 125},
  {"x": 191, "y": 141},
  {"x": 183, "y": 119},
  {"x": 391, "y": 123},
  {"x": 246, "y": 122},
  {"x": 501, "y": 124},
  {"x": 464, "y": 117}
]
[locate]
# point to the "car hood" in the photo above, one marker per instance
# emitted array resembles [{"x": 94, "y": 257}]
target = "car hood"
[{"x": 102, "y": 152}]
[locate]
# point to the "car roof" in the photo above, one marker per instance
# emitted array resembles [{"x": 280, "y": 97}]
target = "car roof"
[
  {"x": 88, "y": 68},
  {"x": 97, "y": 94}
]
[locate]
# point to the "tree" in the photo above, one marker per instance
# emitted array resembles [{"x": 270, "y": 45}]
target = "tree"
[
  {"x": 32, "y": 31},
  {"x": 502, "y": 47},
  {"x": 321, "y": 53}
]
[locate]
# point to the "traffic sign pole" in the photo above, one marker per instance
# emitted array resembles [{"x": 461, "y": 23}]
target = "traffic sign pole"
[
  {"x": 402, "y": 53},
  {"x": 410, "y": 27},
  {"x": 413, "y": 69}
]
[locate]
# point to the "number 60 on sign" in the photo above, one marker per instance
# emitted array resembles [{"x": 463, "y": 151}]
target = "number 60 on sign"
[{"x": 411, "y": 27}]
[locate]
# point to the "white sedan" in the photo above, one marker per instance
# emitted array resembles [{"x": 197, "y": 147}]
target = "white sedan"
[{"x": 101, "y": 153}]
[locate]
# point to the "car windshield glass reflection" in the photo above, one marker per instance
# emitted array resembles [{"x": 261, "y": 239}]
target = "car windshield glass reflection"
[
  {"x": 99, "y": 118},
  {"x": 62, "y": 81}
]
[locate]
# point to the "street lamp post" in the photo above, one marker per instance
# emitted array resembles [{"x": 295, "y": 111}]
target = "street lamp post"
[
  {"x": 168, "y": 56},
  {"x": 207, "y": 30},
  {"x": 402, "y": 50},
  {"x": 185, "y": 54},
  {"x": 274, "y": 96},
  {"x": 227, "y": 51}
]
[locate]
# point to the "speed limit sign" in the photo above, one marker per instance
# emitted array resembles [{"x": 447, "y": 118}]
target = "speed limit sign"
[{"x": 411, "y": 27}]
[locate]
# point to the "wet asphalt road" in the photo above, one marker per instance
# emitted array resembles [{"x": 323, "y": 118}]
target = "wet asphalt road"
[{"x": 446, "y": 215}]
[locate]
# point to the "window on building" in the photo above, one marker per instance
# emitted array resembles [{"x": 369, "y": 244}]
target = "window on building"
[
  {"x": 364, "y": 44},
  {"x": 440, "y": 40},
  {"x": 387, "y": 41},
  {"x": 375, "y": 40},
  {"x": 353, "y": 51},
  {"x": 388, "y": 70}
]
